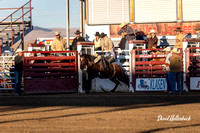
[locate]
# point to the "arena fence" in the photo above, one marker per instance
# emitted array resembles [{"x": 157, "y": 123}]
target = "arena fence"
[
  {"x": 193, "y": 68},
  {"x": 50, "y": 71},
  {"x": 148, "y": 73}
]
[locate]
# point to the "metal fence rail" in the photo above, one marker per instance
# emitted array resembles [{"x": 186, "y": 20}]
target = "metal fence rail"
[{"x": 7, "y": 72}]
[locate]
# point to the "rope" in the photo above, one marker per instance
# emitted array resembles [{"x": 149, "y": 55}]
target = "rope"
[{"x": 114, "y": 67}]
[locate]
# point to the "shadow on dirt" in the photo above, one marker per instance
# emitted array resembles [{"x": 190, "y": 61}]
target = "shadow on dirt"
[
  {"x": 163, "y": 129},
  {"x": 95, "y": 100},
  {"x": 69, "y": 101}
]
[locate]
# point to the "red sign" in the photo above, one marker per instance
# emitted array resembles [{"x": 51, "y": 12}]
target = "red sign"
[{"x": 162, "y": 29}]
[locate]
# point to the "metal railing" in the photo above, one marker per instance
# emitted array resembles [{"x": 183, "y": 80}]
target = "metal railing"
[{"x": 11, "y": 20}]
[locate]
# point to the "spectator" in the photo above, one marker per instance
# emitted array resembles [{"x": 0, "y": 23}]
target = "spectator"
[
  {"x": 152, "y": 39},
  {"x": 18, "y": 72},
  {"x": 179, "y": 38},
  {"x": 197, "y": 29},
  {"x": 138, "y": 35},
  {"x": 97, "y": 40},
  {"x": 175, "y": 71},
  {"x": 167, "y": 63},
  {"x": 59, "y": 43},
  {"x": 76, "y": 39},
  {"x": 127, "y": 34}
]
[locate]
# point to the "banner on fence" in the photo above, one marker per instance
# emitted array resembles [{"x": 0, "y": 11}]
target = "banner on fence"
[
  {"x": 195, "y": 83},
  {"x": 151, "y": 84}
]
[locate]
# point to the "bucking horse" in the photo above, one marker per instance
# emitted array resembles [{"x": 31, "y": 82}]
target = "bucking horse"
[{"x": 115, "y": 73}]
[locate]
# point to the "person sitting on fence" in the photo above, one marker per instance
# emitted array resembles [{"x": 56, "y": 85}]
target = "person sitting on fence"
[
  {"x": 59, "y": 43},
  {"x": 152, "y": 39},
  {"x": 127, "y": 34},
  {"x": 18, "y": 72},
  {"x": 97, "y": 42},
  {"x": 167, "y": 63},
  {"x": 197, "y": 29},
  {"x": 179, "y": 38},
  {"x": 108, "y": 46},
  {"x": 175, "y": 70}
]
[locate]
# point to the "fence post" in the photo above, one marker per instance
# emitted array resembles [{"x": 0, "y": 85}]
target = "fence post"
[
  {"x": 185, "y": 44},
  {"x": 131, "y": 44},
  {"x": 80, "y": 88},
  {"x": 187, "y": 54}
]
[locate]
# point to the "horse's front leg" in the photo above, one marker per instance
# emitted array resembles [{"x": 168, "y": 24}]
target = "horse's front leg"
[{"x": 116, "y": 84}]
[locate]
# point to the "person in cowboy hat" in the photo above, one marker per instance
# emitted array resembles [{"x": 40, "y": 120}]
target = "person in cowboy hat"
[
  {"x": 179, "y": 38},
  {"x": 138, "y": 35},
  {"x": 152, "y": 39},
  {"x": 76, "y": 39},
  {"x": 167, "y": 51},
  {"x": 175, "y": 70},
  {"x": 18, "y": 71},
  {"x": 59, "y": 43},
  {"x": 197, "y": 29},
  {"x": 106, "y": 43},
  {"x": 97, "y": 41},
  {"x": 127, "y": 34}
]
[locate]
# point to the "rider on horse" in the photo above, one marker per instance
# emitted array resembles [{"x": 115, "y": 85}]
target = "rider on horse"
[{"x": 108, "y": 46}]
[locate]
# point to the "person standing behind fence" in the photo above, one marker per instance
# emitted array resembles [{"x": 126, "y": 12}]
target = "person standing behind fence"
[
  {"x": 76, "y": 39},
  {"x": 18, "y": 72},
  {"x": 179, "y": 38},
  {"x": 97, "y": 41},
  {"x": 167, "y": 63},
  {"x": 175, "y": 70},
  {"x": 59, "y": 43},
  {"x": 152, "y": 39},
  {"x": 127, "y": 34}
]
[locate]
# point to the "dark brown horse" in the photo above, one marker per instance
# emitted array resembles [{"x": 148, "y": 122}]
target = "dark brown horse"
[{"x": 94, "y": 70}]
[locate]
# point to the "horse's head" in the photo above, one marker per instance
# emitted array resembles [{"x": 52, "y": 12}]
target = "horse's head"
[{"x": 84, "y": 62}]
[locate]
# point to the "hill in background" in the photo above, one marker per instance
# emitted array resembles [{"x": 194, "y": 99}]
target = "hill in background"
[{"x": 39, "y": 32}]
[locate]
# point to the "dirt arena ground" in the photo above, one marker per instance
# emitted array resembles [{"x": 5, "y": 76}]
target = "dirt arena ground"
[{"x": 98, "y": 113}]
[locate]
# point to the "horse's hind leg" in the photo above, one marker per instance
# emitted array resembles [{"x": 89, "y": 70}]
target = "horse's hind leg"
[{"x": 116, "y": 84}]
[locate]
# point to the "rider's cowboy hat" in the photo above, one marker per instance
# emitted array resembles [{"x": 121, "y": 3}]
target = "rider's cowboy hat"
[
  {"x": 102, "y": 35},
  {"x": 178, "y": 29},
  {"x": 77, "y": 32},
  {"x": 18, "y": 50},
  {"x": 197, "y": 27},
  {"x": 152, "y": 31},
  {"x": 57, "y": 33},
  {"x": 167, "y": 49},
  {"x": 123, "y": 24},
  {"x": 176, "y": 51},
  {"x": 97, "y": 34}
]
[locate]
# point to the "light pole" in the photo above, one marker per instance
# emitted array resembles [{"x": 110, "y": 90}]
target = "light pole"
[
  {"x": 81, "y": 16},
  {"x": 67, "y": 23}
]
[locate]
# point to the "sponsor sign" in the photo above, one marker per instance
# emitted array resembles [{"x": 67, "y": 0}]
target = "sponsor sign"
[
  {"x": 151, "y": 84},
  {"x": 162, "y": 29},
  {"x": 194, "y": 83}
]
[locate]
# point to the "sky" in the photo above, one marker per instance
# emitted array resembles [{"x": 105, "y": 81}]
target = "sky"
[{"x": 47, "y": 13}]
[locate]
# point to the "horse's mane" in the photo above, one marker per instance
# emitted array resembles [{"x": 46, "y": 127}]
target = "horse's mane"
[{"x": 91, "y": 57}]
